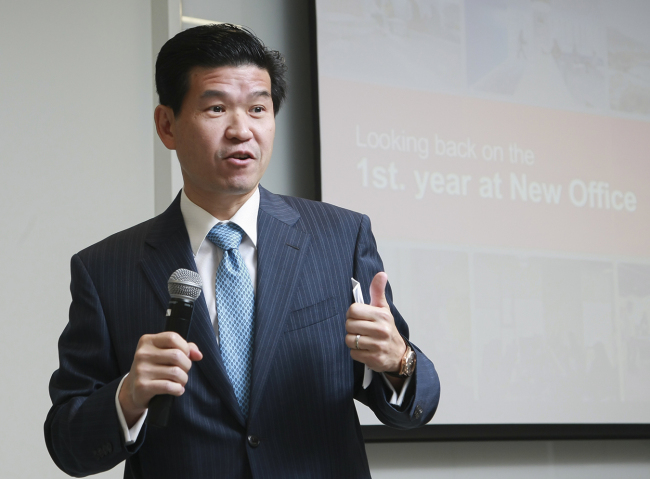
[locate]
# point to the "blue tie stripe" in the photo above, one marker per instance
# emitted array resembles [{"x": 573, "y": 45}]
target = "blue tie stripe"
[{"x": 235, "y": 300}]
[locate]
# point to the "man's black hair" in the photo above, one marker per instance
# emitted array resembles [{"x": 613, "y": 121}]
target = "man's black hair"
[{"x": 213, "y": 46}]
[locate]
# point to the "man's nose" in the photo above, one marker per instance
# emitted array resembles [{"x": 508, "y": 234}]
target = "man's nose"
[{"x": 238, "y": 127}]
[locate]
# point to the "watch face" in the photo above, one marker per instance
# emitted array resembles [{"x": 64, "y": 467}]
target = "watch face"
[{"x": 410, "y": 363}]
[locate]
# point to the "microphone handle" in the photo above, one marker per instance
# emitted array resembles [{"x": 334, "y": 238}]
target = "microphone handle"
[{"x": 179, "y": 317}]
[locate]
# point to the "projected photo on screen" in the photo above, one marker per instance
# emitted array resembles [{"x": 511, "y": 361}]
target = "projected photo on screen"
[{"x": 502, "y": 151}]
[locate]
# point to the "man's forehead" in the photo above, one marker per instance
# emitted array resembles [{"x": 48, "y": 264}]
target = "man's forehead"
[{"x": 252, "y": 75}]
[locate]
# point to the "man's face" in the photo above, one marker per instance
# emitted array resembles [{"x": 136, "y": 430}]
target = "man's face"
[{"x": 224, "y": 133}]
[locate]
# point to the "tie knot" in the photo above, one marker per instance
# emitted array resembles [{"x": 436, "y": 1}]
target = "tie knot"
[{"x": 226, "y": 236}]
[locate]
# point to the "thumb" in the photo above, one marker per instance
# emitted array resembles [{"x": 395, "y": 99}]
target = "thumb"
[{"x": 378, "y": 290}]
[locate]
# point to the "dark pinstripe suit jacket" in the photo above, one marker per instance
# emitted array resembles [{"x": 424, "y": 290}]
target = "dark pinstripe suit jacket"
[{"x": 303, "y": 381}]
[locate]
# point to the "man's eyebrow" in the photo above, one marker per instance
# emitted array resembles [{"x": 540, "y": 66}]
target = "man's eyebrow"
[
  {"x": 259, "y": 93},
  {"x": 223, "y": 94},
  {"x": 213, "y": 93}
]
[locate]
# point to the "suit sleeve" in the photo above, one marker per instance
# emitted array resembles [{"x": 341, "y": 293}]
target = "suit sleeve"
[
  {"x": 422, "y": 396},
  {"x": 82, "y": 429}
]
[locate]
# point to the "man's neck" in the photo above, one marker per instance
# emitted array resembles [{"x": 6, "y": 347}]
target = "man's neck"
[{"x": 222, "y": 207}]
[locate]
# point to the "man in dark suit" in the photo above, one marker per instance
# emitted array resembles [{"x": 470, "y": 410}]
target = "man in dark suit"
[{"x": 281, "y": 356}]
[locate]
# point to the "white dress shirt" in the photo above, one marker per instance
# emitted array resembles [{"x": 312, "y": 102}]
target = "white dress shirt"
[{"x": 207, "y": 257}]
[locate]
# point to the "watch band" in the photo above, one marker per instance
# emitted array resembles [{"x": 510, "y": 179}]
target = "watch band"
[{"x": 404, "y": 371}]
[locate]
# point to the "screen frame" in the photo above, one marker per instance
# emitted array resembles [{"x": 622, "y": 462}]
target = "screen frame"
[
  {"x": 505, "y": 432},
  {"x": 459, "y": 432}
]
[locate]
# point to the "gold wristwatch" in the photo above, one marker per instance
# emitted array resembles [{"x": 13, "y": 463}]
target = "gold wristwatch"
[{"x": 407, "y": 367}]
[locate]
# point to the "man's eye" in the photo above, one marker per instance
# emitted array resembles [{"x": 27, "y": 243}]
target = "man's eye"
[
  {"x": 216, "y": 109},
  {"x": 258, "y": 109}
]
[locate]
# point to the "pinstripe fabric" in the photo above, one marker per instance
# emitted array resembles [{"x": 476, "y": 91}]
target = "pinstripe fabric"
[{"x": 303, "y": 380}]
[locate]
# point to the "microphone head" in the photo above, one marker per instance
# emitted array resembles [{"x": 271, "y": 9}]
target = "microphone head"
[{"x": 185, "y": 284}]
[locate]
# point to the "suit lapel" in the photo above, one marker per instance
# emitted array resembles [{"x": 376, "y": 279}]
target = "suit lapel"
[
  {"x": 169, "y": 249},
  {"x": 280, "y": 250}
]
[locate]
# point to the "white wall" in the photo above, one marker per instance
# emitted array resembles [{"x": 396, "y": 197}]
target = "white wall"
[
  {"x": 76, "y": 150},
  {"x": 76, "y": 147}
]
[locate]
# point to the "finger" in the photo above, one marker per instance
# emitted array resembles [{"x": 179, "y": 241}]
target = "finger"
[
  {"x": 362, "y": 356},
  {"x": 375, "y": 360},
  {"x": 351, "y": 341},
  {"x": 168, "y": 373},
  {"x": 147, "y": 367},
  {"x": 370, "y": 359},
  {"x": 142, "y": 388},
  {"x": 378, "y": 290},
  {"x": 366, "y": 312},
  {"x": 170, "y": 340},
  {"x": 365, "y": 343},
  {"x": 148, "y": 373},
  {"x": 364, "y": 328},
  {"x": 162, "y": 386},
  {"x": 195, "y": 353},
  {"x": 171, "y": 357},
  {"x": 360, "y": 311}
]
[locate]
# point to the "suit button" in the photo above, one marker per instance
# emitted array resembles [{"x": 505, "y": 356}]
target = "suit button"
[
  {"x": 418, "y": 412},
  {"x": 253, "y": 441},
  {"x": 103, "y": 450}
]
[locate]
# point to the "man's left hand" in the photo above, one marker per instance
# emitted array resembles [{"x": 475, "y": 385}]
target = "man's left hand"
[{"x": 380, "y": 346}]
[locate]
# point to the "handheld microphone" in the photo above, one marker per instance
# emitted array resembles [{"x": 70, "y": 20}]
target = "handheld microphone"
[{"x": 184, "y": 288}]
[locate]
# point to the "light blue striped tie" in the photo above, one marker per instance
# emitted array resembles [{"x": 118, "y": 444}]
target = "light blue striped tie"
[{"x": 235, "y": 310}]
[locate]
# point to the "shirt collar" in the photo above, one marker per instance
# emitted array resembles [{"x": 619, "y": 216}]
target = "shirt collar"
[{"x": 199, "y": 222}]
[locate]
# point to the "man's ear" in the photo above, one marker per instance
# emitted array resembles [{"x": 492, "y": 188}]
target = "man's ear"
[{"x": 164, "y": 118}]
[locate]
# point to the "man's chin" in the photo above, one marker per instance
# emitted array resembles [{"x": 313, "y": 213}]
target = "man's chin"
[
  {"x": 239, "y": 189},
  {"x": 225, "y": 187}
]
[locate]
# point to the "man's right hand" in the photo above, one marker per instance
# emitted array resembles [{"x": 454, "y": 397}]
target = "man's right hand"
[{"x": 160, "y": 366}]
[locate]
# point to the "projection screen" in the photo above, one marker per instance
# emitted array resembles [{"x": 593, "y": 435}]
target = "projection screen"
[{"x": 502, "y": 151}]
